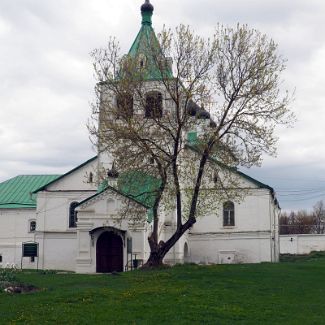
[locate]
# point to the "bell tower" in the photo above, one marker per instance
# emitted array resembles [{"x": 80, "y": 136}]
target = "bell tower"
[{"x": 146, "y": 54}]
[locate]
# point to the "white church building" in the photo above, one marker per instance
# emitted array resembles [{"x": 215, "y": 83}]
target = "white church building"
[{"x": 76, "y": 225}]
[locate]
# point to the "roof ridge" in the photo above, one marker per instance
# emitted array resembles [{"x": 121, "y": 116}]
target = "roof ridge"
[
  {"x": 66, "y": 174},
  {"x": 108, "y": 187},
  {"x": 16, "y": 191}
]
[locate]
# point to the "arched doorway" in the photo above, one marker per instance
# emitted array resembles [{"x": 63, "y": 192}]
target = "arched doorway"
[{"x": 109, "y": 253}]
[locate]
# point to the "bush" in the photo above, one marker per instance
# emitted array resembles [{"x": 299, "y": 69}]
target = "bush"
[
  {"x": 8, "y": 275},
  {"x": 44, "y": 272},
  {"x": 314, "y": 255}
]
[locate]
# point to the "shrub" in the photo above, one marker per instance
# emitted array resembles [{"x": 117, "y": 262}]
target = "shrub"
[{"x": 8, "y": 275}]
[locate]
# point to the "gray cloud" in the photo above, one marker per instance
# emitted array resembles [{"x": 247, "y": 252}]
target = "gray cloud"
[{"x": 47, "y": 83}]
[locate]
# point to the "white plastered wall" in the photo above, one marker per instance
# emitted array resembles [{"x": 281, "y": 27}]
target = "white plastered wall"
[
  {"x": 302, "y": 243},
  {"x": 14, "y": 231},
  {"x": 58, "y": 242},
  {"x": 251, "y": 240}
]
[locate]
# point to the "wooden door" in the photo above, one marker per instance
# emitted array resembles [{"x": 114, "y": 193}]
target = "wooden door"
[{"x": 109, "y": 253}]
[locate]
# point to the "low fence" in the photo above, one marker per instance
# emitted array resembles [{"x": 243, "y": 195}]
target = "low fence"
[{"x": 302, "y": 243}]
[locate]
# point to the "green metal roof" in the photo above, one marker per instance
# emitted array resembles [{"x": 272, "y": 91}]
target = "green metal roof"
[
  {"x": 16, "y": 192},
  {"x": 140, "y": 186},
  {"x": 146, "y": 44}
]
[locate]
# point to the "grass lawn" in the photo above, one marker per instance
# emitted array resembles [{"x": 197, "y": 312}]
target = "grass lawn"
[{"x": 291, "y": 292}]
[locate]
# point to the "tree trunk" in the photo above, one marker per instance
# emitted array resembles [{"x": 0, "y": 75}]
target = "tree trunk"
[
  {"x": 155, "y": 260},
  {"x": 158, "y": 252}
]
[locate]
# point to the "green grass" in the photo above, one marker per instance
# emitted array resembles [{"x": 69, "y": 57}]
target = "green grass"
[{"x": 285, "y": 293}]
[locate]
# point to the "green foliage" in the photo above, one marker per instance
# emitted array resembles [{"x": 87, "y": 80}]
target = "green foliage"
[
  {"x": 47, "y": 272},
  {"x": 302, "y": 257},
  {"x": 285, "y": 293},
  {"x": 8, "y": 275}
]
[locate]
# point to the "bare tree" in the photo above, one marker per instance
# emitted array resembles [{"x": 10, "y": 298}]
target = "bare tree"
[
  {"x": 222, "y": 101},
  {"x": 319, "y": 217},
  {"x": 302, "y": 222}
]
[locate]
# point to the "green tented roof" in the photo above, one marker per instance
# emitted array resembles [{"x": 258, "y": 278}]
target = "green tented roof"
[
  {"x": 16, "y": 192},
  {"x": 146, "y": 44}
]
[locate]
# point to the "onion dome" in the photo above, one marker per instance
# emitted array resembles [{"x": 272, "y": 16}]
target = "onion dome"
[
  {"x": 146, "y": 12},
  {"x": 203, "y": 114},
  {"x": 192, "y": 108},
  {"x": 147, "y": 6},
  {"x": 112, "y": 173},
  {"x": 213, "y": 124}
]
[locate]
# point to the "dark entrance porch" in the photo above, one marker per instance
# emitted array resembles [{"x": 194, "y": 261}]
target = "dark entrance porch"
[{"x": 109, "y": 253}]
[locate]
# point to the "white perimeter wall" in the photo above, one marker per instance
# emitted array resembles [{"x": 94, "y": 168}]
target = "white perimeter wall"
[{"x": 302, "y": 243}]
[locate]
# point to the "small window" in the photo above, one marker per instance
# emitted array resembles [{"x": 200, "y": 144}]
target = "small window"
[
  {"x": 0, "y": 258},
  {"x": 142, "y": 61},
  {"x": 192, "y": 137},
  {"x": 73, "y": 215},
  {"x": 32, "y": 226},
  {"x": 124, "y": 104},
  {"x": 91, "y": 177},
  {"x": 228, "y": 214},
  {"x": 153, "y": 105},
  {"x": 215, "y": 177}
]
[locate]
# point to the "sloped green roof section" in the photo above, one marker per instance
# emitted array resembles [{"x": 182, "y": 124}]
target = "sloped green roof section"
[
  {"x": 16, "y": 192},
  {"x": 139, "y": 186},
  {"x": 147, "y": 48}
]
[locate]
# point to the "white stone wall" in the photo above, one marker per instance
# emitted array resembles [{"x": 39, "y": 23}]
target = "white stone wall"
[
  {"x": 58, "y": 242},
  {"x": 53, "y": 209},
  {"x": 253, "y": 238},
  {"x": 57, "y": 251},
  {"x": 230, "y": 248},
  {"x": 301, "y": 243},
  {"x": 14, "y": 230}
]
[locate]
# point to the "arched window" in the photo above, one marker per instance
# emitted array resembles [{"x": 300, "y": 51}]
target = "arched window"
[
  {"x": 142, "y": 61},
  {"x": 32, "y": 226},
  {"x": 73, "y": 214},
  {"x": 186, "y": 254},
  {"x": 153, "y": 108},
  {"x": 90, "y": 177},
  {"x": 228, "y": 214},
  {"x": 124, "y": 104}
]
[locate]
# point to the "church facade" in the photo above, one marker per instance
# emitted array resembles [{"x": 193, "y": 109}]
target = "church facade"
[{"x": 76, "y": 219}]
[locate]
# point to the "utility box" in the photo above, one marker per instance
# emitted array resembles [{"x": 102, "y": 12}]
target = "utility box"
[{"x": 227, "y": 257}]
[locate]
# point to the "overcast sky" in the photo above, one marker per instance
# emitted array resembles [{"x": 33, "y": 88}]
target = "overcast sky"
[{"x": 47, "y": 80}]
